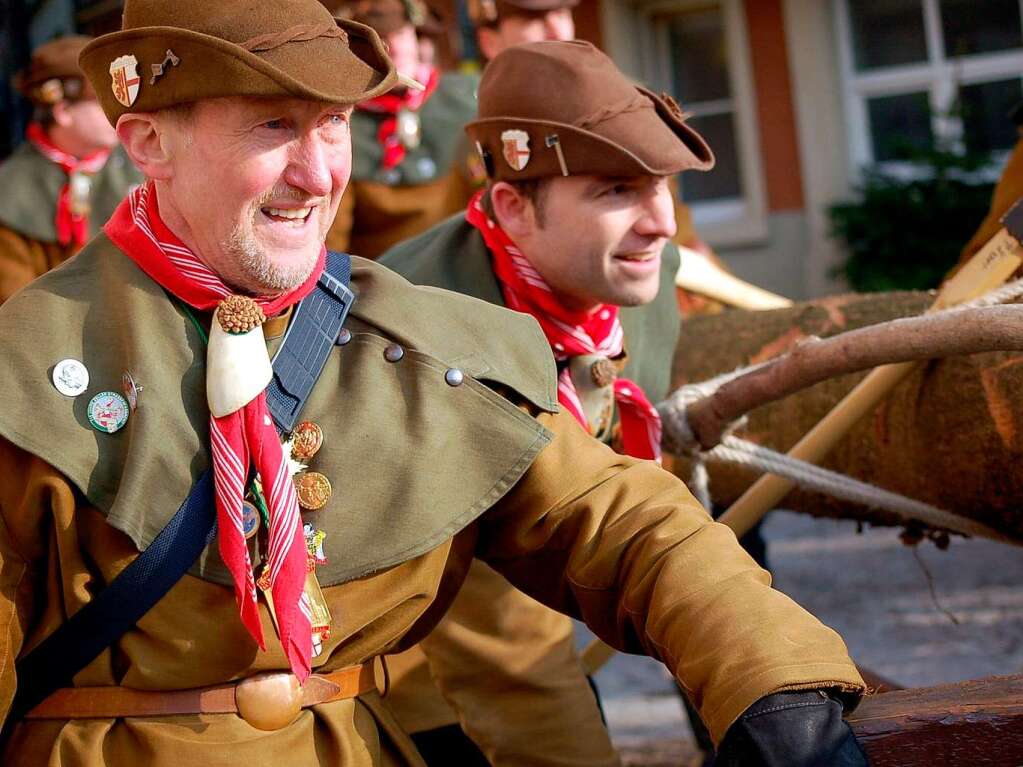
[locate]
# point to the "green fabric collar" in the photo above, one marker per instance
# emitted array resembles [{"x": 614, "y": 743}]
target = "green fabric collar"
[{"x": 412, "y": 459}]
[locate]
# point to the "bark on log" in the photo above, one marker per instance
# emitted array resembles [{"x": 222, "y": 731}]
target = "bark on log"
[
  {"x": 978, "y": 723},
  {"x": 950, "y": 435}
]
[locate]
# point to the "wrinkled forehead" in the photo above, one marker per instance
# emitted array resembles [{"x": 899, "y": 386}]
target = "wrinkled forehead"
[{"x": 243, "y": 107}]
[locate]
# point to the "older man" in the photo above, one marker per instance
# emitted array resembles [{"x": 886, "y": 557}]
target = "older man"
[
  {"x": 62, "y": 184},
  {"x": 431, "y": 435}
]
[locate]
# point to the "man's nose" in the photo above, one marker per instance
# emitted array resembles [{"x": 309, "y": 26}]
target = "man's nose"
[
  {"x": 309, "y": 167},
  {"x": 658, "y": 219}
]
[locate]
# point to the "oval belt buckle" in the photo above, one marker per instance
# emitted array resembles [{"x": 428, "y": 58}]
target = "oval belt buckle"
[{"x": 269, "y": 701}]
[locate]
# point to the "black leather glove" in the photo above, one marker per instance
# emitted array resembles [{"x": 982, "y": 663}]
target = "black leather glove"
[{"x": 791, "y": 729}]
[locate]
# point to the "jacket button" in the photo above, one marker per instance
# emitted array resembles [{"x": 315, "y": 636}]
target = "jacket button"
[
  {"x": 344, "y": 337},
  {"x": 454, "y": 377},
  {"x": 393, "y": 353}
]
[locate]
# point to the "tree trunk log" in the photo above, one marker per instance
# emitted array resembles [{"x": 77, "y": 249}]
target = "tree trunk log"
[
  {"x": 969, "y": 724},
  {"x": 950, "y": 435}
]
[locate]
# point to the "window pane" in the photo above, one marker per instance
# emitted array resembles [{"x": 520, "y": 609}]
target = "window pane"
[
  {"x": 985, "y": 109},
  {"x": 970, "y": 26},
  {"x": 899, "y": 125},
  {"x": 699, "y": 57},
  {"x": 722, "y": 181},
  {"x": 887, "y": 33}
]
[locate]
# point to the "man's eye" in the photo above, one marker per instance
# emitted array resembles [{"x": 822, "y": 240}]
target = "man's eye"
[{"x": 274, "y": 124}]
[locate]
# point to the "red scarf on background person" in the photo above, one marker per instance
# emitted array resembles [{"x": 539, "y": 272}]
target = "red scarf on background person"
[
  {"x": 72, "y": 228},
  {"x": 570, "y": 334},
  {"x": 392, "y": 103},
  {"x": 238, "y": 440}
]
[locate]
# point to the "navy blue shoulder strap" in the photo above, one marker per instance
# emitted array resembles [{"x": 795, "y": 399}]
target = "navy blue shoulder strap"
[{"x": 314, "y": 327}]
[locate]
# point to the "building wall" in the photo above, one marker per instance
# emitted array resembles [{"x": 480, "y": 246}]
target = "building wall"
[{"x": 800, "y": 137}]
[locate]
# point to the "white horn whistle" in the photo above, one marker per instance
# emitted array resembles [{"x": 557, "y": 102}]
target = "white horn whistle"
[{"x": 237, "y": 368}]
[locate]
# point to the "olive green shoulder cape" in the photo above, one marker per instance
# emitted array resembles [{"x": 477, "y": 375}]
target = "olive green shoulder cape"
[
  {"x": 442, "y": 119},
  {"x": 452, "y": 255},
  {"x": 31, "y": 185},
  {"x": 412, "y": 459}
]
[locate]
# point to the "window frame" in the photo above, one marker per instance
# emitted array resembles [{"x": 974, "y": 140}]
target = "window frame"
[
  {"x": 939, "y": 76},
  {"x": 731, "y": 221}
]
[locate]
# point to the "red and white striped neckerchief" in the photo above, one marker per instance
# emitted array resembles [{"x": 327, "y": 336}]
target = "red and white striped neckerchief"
[
  {"x": 238, "y": 440},
  {"x": 570, "y": 334},
  {"x": 72, "y": 228},
  {"x": 391, "y": 104}
]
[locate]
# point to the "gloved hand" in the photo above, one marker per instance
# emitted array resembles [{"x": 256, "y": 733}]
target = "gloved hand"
[{"x": 791, "y": 729}]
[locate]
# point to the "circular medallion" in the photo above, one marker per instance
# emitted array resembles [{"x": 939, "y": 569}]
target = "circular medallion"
[
  {"x": 108, "y": 412},
  {"x": 70, "y": 377},
  {"x": 131, "y": 388},
  {"x": 409, "y": 129},
  {"x": 313, "y": 490},
  {"x": 250, "y": 519},
  {"x": 306, "y": 441}
]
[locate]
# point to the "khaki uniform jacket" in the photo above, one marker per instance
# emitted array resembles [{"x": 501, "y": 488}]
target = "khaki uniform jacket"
[
  {"x": 507, "y": 663},
  {"x": 426, "y": 477},
  {"x": 31, "y": 185},
  {"x": 383, "y": 207}
]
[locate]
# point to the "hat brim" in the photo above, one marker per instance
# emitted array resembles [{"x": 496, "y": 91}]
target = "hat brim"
[
  {"x": 652, "y": 141},
  {"x": 322, "y": 69}
]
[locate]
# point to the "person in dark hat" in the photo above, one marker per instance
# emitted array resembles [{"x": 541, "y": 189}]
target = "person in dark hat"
[
  {"x": 574, "y": 226},
  {"x": 419, "y": 429},
  {"x": 403, "y": 141},
  {"x": 65, "y": 180}
]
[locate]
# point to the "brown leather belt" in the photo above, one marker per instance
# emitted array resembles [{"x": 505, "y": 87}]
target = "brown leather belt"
[{"x": 266, "y": 701}]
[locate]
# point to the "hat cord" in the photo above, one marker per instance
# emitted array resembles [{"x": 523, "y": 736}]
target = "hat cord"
[{"x": 299, "y": 33}]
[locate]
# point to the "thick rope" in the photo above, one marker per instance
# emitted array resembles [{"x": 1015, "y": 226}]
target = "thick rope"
[
  {"x": 679, "y": 438},
  {"x": 812, "y": 477}
]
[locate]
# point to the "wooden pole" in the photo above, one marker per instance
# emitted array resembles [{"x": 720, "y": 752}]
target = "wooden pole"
[{"x": 698, "y": 274}]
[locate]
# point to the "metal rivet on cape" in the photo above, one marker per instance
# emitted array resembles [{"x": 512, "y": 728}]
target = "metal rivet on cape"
[
  {"x": 344, "y": 337},
  {"x": 454, "y": 377},
  {"x": 393, "y": 353}
]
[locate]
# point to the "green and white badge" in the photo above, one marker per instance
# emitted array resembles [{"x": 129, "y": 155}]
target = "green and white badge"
[{"x": 108, "y": 412}]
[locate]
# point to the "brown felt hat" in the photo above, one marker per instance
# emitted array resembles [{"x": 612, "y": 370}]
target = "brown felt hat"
[
  {"x": 597, "y": 123},
  {"x": 53, "y": 73},
  {"x": 489, "y": 12},
  {"x": 175, "y": 52}
]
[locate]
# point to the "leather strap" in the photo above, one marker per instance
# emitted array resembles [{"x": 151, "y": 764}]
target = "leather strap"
[{"x": 117, "y": 702}]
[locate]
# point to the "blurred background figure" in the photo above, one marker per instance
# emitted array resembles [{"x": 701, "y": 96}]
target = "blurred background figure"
[
  {"x": 403, "y": 142},
  {"x": 61, "y": 184}
]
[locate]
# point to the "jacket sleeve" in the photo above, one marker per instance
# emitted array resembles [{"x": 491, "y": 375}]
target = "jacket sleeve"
[
  {"x": 623, "y": 545},
  {"x": 22, "y": 260},
  {"x": 497, "y": 644},
  {"x": 36, "y": 506}
]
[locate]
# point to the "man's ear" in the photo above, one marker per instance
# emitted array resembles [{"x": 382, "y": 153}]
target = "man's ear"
[
  {"x": 62, "y": 114},
  {"x": 513, "y": 210},
  {"x": 147, "y": 143},
  {"x": 488, "y": 40}
]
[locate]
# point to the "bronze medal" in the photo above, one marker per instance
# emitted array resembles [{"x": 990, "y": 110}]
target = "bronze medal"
[
  {"x": 306, "y": 441},
  {"x": 313, "y": 490}
]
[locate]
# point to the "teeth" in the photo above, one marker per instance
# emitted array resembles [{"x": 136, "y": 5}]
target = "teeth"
[{"x": 294, "y": 214}]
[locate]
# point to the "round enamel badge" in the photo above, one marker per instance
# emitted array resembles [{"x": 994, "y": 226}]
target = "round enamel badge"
[
  {"x": 108, "y": 412},
  {"x": 70, "y": 377},
  {"x": 250, "y": 519}
]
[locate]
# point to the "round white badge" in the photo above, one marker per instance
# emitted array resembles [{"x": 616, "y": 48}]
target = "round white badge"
[{"x": 70, "y": 377}]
